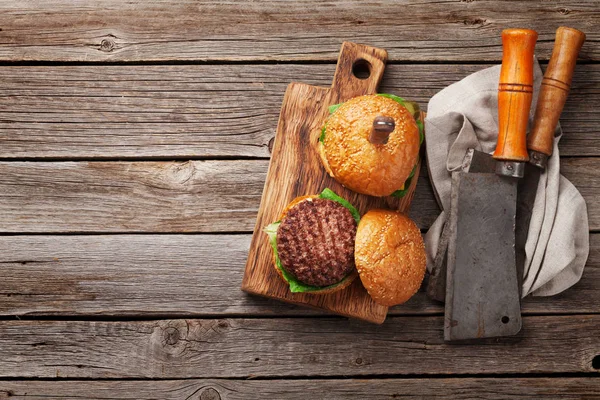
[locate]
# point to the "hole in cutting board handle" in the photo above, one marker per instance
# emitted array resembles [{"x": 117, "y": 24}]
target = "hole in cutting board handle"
[
  {"x": 361, "y": 68},
  {"x": 596, "y": 362},
  {"x": 505, "y": 319}
]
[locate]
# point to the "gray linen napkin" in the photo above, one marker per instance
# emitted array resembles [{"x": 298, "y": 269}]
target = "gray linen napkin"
[{"x": 465, "y": 115}]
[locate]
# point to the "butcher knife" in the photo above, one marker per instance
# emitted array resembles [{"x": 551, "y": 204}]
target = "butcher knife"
[
  {"x": 551, "y": 99},
  {"x": 482, "y": 295},
  {"x": 540, "y": 142}
]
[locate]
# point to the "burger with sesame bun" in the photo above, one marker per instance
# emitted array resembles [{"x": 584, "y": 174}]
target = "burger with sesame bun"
[
  {"x": 313, "y": 243},
  {"x": 390, "y": 256},
  {"x": 321, "y": 244},
  {"x": 370, "y": 144}
]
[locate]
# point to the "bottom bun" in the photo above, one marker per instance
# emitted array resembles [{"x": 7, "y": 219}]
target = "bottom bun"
[
  {"x": 390, "y": 256},
  {"x": 344, "y": 283}
]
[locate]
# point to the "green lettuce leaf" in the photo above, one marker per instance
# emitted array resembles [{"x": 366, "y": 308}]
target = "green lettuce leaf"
[
  {"x": 330, "y": 195},
  {"x": 271, "y": 231},
  {"x": 393, "y": 97},
  {"x": 421, "y": 131},
  {"x": 322, "y": 137},
  {"x": 333, "y": 108},
  {"x": 402, "y": 192}
]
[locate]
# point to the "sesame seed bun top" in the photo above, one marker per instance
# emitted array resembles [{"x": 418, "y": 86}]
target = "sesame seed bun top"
[
  {"x": 362, "y": 166},
  {"x": 390, "y": 256}
]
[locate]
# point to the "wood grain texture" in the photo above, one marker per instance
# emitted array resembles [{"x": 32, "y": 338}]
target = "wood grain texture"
[
  {"x": 296, "y": 170},
  {"x": 297, "y": 389},
  {"x": 427, "y": 30},
  {"x": 554, "y": 89},
  {"x": 183, "y": 275},
  {"x": 281, "y": 347},
  {"x": 194, "y": 196},
  {"x": 207, "y": 110}
]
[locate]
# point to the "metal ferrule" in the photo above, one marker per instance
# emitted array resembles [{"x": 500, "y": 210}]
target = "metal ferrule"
[
  {"x": 538, "y": 159},
  {"x": 510, "y": 168}
]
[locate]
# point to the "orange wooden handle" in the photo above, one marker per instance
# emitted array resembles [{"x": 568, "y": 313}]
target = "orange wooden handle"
[
  {"x": 514, "y": 94},
  {"x": 555, "y": 88}
]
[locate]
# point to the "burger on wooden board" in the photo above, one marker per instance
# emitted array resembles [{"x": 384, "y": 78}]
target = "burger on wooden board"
[
  {"x": 321, "y": 244},
  {"x": 313, "y": 243},
  {"x": 370, "y": 144}
]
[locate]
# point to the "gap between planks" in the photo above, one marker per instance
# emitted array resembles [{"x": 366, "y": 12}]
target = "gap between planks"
[{"x": 524, "y": 387}]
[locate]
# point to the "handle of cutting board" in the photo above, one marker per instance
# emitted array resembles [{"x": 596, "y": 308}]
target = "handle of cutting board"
[
  {"x": 555, "y": 88},
  {"x": 359, "y": 71},
  {"x": 514, "y": 94}
]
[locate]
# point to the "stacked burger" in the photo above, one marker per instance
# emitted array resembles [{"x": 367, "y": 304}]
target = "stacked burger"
[{"x": 370, "y": 144}]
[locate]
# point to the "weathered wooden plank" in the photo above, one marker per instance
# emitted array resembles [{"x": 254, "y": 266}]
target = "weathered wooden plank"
[
  {"x": 195, "y": 275},
  {"x": 138, "y": 196},
  {"x": 299, "y": 389},
  {"x": 198, "y": 348},
  {"x": 193, "y": 196},
  {"x": 426, "y": 30},
  {"x": 206, "y": 110}
]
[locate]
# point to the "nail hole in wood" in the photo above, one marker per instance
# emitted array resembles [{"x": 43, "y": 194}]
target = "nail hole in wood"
[
  {"x": 596, "y": 362},
  {"x": 505, "y": 319},
  {"x": 361, "y": 69}
]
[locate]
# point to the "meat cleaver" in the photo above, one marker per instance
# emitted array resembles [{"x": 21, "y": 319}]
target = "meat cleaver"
[
  {"x": 482, "y": 294},
  {"x": 554, "y": 90}
]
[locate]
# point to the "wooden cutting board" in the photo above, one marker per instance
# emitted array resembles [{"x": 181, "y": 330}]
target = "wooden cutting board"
[{"x": 295, "y": 170}]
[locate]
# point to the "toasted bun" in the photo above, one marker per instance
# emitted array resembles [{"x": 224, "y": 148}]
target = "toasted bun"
[
  {"x": 349, "y": 156},
  {"x": 390, "y": 256},
  {"x": 344, "y": 283}
]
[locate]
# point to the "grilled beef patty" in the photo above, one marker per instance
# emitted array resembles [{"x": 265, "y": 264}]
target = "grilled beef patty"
[{"x": 315, "y": 242}]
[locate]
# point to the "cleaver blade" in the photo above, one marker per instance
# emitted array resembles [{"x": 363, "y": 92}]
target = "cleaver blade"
[
  {"x": 474, "y": 161},
  {"x": 482, "y": 291},
  {"x": 482, "y": 297}
]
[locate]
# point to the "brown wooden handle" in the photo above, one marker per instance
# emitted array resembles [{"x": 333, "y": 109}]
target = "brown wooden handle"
[
  {"x": 554, "y": 89},
  {"x": 359, "y": 71},
  {"x": 514, "y": 94}
]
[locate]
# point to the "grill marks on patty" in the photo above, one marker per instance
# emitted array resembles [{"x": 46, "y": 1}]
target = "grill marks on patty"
[{"x": 315, "y": 242}]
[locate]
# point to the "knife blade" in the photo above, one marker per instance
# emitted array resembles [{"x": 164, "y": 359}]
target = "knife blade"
[
  {"x": 482, "y": 296},
  {"x": 474, "y": 161}
]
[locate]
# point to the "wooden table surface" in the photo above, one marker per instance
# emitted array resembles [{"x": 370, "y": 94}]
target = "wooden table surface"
[{"x": 134, "y": 144}]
